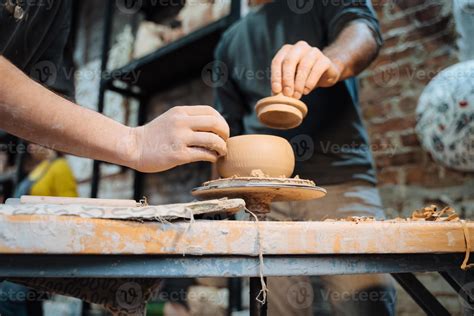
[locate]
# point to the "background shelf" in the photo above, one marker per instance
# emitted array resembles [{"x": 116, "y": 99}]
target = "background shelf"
[{"x": 177, "y": 62}]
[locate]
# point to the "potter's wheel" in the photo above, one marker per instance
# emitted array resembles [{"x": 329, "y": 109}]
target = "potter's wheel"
[{"x": 258, "y": 193}]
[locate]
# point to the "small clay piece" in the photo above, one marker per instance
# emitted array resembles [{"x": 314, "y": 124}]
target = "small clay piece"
[
  {"x": 281, "y": 112},
  {"x": 258, "y": 174},
  {"x": 272, "y": 156}
]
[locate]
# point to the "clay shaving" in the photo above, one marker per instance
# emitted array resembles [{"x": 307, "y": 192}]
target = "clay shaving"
[
  {"x": 431, "y": 214},
  {"x": 428, "y": 214}
]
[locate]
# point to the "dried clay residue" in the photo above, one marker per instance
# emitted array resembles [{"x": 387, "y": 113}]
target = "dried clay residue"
[
  {"x": 429, "y": 213},
  {"x": 258, "y": 173}
]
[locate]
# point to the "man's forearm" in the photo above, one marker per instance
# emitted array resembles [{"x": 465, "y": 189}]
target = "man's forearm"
[
  {"x": 353, "y": 50},
  {"x": 34, "y": 113}
]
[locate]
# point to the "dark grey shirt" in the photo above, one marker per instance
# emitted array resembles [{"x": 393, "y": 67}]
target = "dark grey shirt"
[
  {"x": 331, "y": 146},
  {"x": 36, "y": 44}
]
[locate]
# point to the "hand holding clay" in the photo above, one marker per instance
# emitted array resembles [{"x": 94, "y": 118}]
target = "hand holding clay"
[
  {"x": 299, "y": 69},
  {"x": 281, "y": 112},
  {"x": 184, "y": 134}
]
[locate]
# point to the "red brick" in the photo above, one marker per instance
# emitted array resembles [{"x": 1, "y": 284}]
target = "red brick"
[
  {"x": 421, "y": 32},
  {"x": 388, "y": 176},
  {"x": 410, "y": 140},
  {"x": 428, "y": 13},
  {"x": 388, "y": 25},
  {"x": 414, "y": 174},
  {"x": 391, "y": 42},
  {"x": 383, "y": 143},
  {"x": 385, "y": 58},
  {"x": 394, "y": 124},
  {"x": 428, "y": 175},
  {"x": 375, "y": 94},
  {"x": 445, "y": 39},
  {"x": 407, "y": 4},
  {"x": 438, "y": 63},
  {"x": 408, "y": 104},
  {"x": 395, "y": 74},
  {"x": 388, "y": 160},
  {"x": 382, "y": 110}
]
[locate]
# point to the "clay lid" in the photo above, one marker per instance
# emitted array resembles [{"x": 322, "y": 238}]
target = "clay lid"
[{"x": 281, "y": 112}]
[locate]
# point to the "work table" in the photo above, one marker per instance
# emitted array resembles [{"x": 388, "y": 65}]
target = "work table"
[
  {"x": 40, "y": 234},
  {"x": 49, "y": 246}
]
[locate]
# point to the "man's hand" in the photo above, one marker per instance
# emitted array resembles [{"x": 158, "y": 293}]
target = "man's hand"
[
  {"x": 299, "y": 69},
  {"x": 182, "y": 135}
]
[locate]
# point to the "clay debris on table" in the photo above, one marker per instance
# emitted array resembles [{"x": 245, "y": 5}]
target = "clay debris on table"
[
  {"x": 428, "y": 213},
  {"x": 258, "y": 173},
  {"x": 431, "y": 213}
]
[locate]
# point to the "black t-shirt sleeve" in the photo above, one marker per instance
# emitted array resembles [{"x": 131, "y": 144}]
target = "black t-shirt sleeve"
[
  {"x": 37, "y": 43},
  {"x": 58, "y": 54},
  {"x": 337, "y": 14},
  {"x": 227, "y": 98}
]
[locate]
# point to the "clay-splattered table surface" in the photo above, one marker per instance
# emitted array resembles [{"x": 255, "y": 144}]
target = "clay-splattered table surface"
[
  {"x": 74, "y": 247},
  {"x": 37, "y": 234},
  {"x": 29, "y": 244},
  {"x": 48, "y": 246}
]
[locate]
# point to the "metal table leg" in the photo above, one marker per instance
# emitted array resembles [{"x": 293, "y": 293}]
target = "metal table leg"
[
  {"x": 420, "y": 294},
  {"x": 463, "y": 283},
  {"x": 235, "y": 295},
  {"x": 256, "y": 309}
]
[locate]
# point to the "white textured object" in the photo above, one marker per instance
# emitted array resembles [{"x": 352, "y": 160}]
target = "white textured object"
[
  {"x": 195, "y": 15},
  {"x": 463, "y": 11},
  {"x": 149, "y": 38},
  {"x": 445, "y": 116}
]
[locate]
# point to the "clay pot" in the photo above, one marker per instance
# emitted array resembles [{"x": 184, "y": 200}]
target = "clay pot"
[
  {"x": 281, "y": 112},
  {"x": 249, "y": 154}
]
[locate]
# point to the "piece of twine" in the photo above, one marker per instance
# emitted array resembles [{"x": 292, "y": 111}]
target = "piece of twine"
[
  {"x": 262, "y": 295},
  {"x": 467, "y": 239},
  {"x": 143, "y": 202}
]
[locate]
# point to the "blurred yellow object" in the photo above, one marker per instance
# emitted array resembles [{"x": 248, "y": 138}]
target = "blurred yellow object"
[{"x": 53, "y": 178}]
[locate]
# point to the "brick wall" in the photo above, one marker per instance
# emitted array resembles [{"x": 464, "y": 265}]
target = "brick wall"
[{"x": 419, "y": 42}]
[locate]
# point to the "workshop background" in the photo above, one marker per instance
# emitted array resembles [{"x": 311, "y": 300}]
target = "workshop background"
[{"x": 420, "y": 41}]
